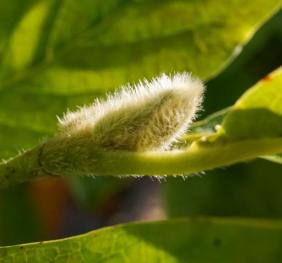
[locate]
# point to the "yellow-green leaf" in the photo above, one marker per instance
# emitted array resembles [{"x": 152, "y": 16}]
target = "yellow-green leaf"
[{"x": 176, "y": 241}]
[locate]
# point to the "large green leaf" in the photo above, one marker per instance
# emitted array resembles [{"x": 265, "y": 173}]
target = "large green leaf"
[
  {"x": 186, "y": 240},
  {"x": 59, "y": 54}
]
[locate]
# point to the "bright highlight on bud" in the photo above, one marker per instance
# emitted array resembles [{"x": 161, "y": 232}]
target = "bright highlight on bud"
[{"x": 147, "y": 116}]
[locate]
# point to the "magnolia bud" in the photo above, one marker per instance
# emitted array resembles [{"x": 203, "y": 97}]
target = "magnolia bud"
[{"x": 146, "y": 116}]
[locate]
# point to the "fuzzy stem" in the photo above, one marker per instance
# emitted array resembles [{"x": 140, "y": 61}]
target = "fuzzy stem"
[
  {"x": 24, "y": 167},
  {"x": 66, "y": 161}
]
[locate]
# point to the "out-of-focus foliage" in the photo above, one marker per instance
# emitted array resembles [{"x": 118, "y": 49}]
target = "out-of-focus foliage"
[{"x": 246, "y": 190}]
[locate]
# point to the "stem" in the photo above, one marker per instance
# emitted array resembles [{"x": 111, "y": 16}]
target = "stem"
[
  {"x": 66, "y": 161},
  {"x": 21, "y": 168}
]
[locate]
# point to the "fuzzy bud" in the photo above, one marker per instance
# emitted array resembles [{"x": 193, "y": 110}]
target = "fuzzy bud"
[{"x": 146, "y": 116}]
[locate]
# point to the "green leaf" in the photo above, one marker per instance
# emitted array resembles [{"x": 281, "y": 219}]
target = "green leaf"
[
  {"x": 274, "y": 158},
  {"x": 185, "y": 240},
  {"x": 208, "y": 126},
  {"x": 58, "y": 54},
  {"x": 258, "y": 113}
]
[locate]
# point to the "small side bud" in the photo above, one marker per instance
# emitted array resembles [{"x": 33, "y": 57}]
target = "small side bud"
[{"x": 146, "y": 116}]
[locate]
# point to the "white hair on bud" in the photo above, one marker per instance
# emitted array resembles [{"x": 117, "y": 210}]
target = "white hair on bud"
[{"x": 147, "y": 116}]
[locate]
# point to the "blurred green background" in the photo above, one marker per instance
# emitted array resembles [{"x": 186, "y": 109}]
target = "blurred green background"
[{"x": 53, "y": 208}]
